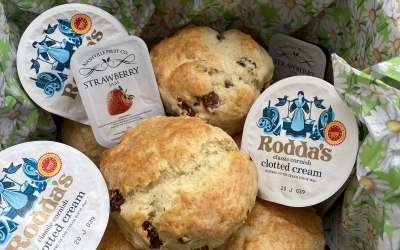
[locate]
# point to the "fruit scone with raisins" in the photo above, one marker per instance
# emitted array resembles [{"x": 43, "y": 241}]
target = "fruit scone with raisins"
[
  {"x": 215, "y": 76},
  {"x": 178, "y": 183}
]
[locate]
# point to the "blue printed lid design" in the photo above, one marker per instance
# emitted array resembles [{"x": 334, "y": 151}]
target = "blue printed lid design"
[
  {"x": 51, "y": 197},
  {"x": 303, "y": 139},
  {"x": 45, "y": 51}
]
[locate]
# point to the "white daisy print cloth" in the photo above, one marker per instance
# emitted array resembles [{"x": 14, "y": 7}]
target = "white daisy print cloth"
[
  {"x": 384, "y": 124},
  {"x": 17, "y": 111},
  {"x": 374, "y": 194},
  {"x": 365, "y": 33}
]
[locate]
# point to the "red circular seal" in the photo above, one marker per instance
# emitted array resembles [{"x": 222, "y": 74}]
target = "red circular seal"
[
  {"x": 334, "y": 132},
  {"x": 81, "y": 23},
  {"x": 49, "y": 165}
]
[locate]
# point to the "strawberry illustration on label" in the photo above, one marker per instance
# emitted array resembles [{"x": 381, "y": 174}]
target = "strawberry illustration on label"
[{"x": 119, "y": 101}]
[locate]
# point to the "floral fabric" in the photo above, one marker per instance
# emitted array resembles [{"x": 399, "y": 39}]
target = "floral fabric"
[
  {"x": 363, "y": 32},
  {"x": 20, "y": 119},
  {"x": 371, "y": 208}
]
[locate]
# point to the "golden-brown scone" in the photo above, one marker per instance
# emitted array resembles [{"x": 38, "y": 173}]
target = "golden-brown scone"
[
  {"x": 184, "y": 183},
  {"x": 215, "y": 76},
  {"x": 81, "y": 137},
  {"x": 113, "y": 239},
  {"x": 271, "y": 226},
  {"x": 238, "y": 138}
]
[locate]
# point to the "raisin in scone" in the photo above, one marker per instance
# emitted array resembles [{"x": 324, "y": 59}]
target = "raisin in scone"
[
  {"x": 178, "y": 183},
  {"x": 271, "y": 226},
  {"x": 215, "y": 76},
  {"x": 81, "y": 137}
]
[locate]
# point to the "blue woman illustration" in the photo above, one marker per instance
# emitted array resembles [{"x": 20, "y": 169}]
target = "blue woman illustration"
[
  {"x": 299, "y": 107},
  {"x": 58, "y": 54},
  {"x": 16, "y": 202},
  {"x": 17, "y": 199},
  {"x": 13, "y": 198},
  {"x": 45, "y": 49}
]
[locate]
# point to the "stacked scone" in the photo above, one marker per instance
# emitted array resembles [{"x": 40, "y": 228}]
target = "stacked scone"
[
  {"x": 182, "y": 182},
  {"x": 179, "y": 183},
  {"x": 271, "y": 226},
  {"x": 215, "y": 76},
  {"x": 113, "y": 239}
]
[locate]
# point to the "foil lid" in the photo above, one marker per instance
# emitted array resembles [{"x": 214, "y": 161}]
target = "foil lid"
[
  {"x": 45, "y": 50},
  {"x": 303, "y": 139},
  {"x": 52, "y": 197}
]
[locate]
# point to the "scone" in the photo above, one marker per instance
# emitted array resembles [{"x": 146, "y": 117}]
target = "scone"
[
  {"x": 178, "y": 183},
  {"x": 238, "y": 139},
  {"x": 272, "y": 226},
  {"x": 81, "y": 137},
  {"x": 215, "y": 76},
  {"x": 113, "y": 239}
]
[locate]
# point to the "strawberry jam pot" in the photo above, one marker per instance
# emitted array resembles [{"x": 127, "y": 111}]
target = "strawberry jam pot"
[{"x": 117, "y": 85}]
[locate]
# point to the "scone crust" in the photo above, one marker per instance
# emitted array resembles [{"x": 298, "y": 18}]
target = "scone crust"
[
  {"x": 113, "y": 239},
  {"x": 215, "y": 76},
  {"x": 272, "y": 226},
  {"x": 185, "y": 177},
  {"x": 81, "y": 137}
]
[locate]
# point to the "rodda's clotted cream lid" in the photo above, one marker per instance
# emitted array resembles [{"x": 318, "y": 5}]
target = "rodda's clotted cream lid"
[
  {"x": 52, "y": 197},
  {"x": 45, "y": 51},
  {"x": 303, "y": 139}
]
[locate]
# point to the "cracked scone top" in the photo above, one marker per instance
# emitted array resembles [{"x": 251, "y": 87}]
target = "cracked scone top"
[
  {"x": 271, "y": 226},
  {"x": 215, "y": 76},
  {"x": 182, "y": 183}
]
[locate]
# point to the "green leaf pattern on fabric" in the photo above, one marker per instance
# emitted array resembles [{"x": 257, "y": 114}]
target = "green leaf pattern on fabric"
[
  {"x": 371, "y": 210},
  {"x": 363, "y": 32},
  {"x": 19, "y": 116}
]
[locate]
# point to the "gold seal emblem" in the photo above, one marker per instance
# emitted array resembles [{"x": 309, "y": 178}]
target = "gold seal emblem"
[
  {"x": 334, "y": 133},
  {"x": 81, "y": 23},
  {"x": 49, "y": 165}
]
